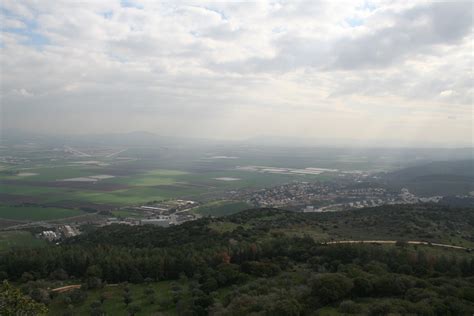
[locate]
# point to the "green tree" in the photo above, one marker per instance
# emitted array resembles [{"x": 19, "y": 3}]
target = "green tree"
[
  {"x": 150, "y": 295},
  {"x": 127, "y": 298},
  {"x": 13, "y": 302},
  {"x": 133, "y": 309},
  {"x": 362, "y": 287},
  {"x": 331, "y": 287}
]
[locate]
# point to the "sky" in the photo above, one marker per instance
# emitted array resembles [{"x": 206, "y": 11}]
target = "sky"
[{"x": 368, "y": 71}]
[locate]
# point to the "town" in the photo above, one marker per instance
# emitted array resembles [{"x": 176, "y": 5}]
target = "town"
[{"x": 328, "y": 196}]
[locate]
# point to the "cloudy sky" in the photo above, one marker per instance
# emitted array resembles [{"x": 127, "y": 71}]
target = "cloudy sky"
[{"x": 362, "y": 70}]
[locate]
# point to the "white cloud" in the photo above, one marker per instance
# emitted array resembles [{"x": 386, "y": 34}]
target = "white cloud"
[{"x": 214, "y": 68}]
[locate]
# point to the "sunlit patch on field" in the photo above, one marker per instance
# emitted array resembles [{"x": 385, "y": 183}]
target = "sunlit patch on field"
[
  {"x": 227, "y": 179},
  {"x": 89, "y": 179},
  {"x": 27, "y": 174}
]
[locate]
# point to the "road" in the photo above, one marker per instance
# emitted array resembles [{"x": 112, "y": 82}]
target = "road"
[
  {"x": 66, "y": 288},
  {"x": 411, "y": 242},
  {"x": 116, "y": 153}
]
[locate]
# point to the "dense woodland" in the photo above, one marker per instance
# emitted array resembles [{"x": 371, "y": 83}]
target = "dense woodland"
[{"x": 266, "y": 262}]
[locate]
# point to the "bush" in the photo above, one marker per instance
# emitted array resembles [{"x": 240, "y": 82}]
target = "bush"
[
  {"x": 349, "y": 307},
  {"x": 362, "y": 287},
  {"x": 331, "y": 287},
  {"x": 78, "y": 296}
]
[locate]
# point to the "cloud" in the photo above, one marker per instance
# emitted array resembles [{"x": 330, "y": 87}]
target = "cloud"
[{"x": 214, "y": 68}]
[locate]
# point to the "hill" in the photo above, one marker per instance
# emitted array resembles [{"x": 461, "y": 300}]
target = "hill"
[
  {"x": 435, "y": 178},
  {"x": 262, "y": 262}
]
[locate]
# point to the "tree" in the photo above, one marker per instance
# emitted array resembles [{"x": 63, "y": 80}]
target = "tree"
[
  {"x": 331, "y": 287},
  {"x": 102, "y": 298},
  {"x": 94, "y": 271},
  {"x": 136, "y": 277},
  {"x": 40, "y": 295},
  {"x": 13, "y": 302},
  {"x": 362, "y": 287},
  {"x": 285, "y": 306},
  {"x": 127, "y": 298},
  {"x": 133, "y": 309},
  {"x": 59, "y": 274},
  {"x": 78, "y": 296},
  {"x": 26, "y": 276},
  {"x": 96, "y": 308},
  {"x": 349, "y": 307},
  {"x": 150, "y": 294},
  {"x": 93, "y": 282}
]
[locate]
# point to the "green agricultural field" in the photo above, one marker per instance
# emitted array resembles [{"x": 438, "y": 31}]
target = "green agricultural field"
[
  {"x": 19, "y": 239},
  {"x": 54, "y": 173},
  {"x": 246, "y": 179},
  {"x": 151, "y": 178},
  {"x": 132, "y": 185},
  {"x": 29, "y": 190},
  {"x": 135, "y": 195},
  {"x": 36, "y": 213}
]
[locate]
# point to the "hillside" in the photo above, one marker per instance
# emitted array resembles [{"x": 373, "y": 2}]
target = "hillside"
[
  {"x": 435, "y": 178},
  {"x": 262, "y": 262}
]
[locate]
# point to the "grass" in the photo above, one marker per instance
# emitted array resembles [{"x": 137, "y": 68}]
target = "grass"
[
  {"x": 32, "y": 190},
  {"x": 222, "y": 208},
  {"x": 152, "y": 178},
  {"x": 19, "y": 239},
  {"x": 131, "y": 196},
  {"x": 36, "y": 213},
  {"x": 247, "y": 179},
  {"x": 165, "y": 172}
]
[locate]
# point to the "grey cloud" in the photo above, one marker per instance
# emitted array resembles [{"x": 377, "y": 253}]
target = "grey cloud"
[
  {"x": 224, "y": 66},
  {"x": 414, "y": 31}
]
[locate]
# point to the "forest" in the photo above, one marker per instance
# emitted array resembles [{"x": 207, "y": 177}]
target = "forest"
[{"x": 258, "y": 262}]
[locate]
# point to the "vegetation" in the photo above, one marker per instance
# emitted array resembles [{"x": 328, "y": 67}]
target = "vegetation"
[
  {"x": 252, "y": 262},
  {"x": 13, "y": 302},
  {"x": 19, "y": 239},
  {"x": 36, "y": 212},
  {"x": 435, "y": 178},
  {"x": 222, "y": 208}
]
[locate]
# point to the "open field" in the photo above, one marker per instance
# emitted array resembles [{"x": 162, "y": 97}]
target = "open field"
[
  {"x": 109, "y": 178},
  {"x": 19, "y": 239},
  {"x": 36, "y": 213},
  {"x": 63, "y": 188}
]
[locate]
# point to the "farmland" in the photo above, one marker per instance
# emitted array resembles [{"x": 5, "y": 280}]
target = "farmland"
[
  {"x": 36, "y": 213},
  {"x": 50, "y": 184},
  {"x": 66, "y": 180}
]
